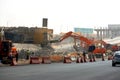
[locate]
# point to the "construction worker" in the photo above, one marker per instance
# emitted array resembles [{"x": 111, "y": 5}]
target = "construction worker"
[
  {"x": 16, "y": 56},
  {"x": 90, "y": 53},
  {"x": 33, "y": 54},
  {"x": 27, "y": 54},
  {"x": 14, "y": 51},
  {"x": 84, "y": 56}
]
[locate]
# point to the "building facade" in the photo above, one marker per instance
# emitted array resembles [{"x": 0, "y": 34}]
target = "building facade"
[{"x": 27, "y": 35}]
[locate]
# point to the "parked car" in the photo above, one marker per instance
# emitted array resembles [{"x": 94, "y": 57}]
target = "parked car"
[{"x": 116, "y": 58}]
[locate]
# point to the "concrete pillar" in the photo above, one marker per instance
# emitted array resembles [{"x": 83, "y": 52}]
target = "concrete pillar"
[
  {"x": 118, "y": 32},
  {"x": 101, "y": 33},
  {"x": 107, "y": 32},
  {"x": 98, "y": 36},
  {"x": 104, "y": 33}
]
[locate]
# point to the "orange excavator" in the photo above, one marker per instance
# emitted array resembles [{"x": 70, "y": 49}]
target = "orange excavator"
[
  {"x": 92, "y": 45},
  {"x": 76, "y": 36},
  {"x": 83, "y": 40},
  {"x": 7, "y": 51},
  {"x": 89, "y": 44}
]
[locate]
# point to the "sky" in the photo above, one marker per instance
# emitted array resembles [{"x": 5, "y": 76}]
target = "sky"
[{"x": 63, "y": 15}]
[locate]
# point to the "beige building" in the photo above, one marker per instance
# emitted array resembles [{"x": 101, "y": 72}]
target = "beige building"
[{"x": 43, "y": 35}]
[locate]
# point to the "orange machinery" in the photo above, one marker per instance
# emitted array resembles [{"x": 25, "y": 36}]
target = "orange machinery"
[
  {"x": 76, "y": 36},
  {"x": 84, "y": 40},
  {"x": 6, "y": 51},
  {"x": 88, "y": 43},
  {"x": 101, "y": 49}
]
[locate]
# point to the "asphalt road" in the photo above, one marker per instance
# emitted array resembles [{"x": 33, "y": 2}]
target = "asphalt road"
[{"x": 101, "y": 70}]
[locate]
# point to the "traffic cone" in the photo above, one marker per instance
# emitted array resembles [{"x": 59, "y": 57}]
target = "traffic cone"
[
  {"x": 109, "y": 57},
  {"x": 94, "y": 59},
  {"x": 103, "y": 58},
  {"x": 90, "y": 60},
  {"x": 13, "y": 63},
  {"x": 84, "y": 59},
  {"x": 78, "y": 60},
  {"x": 64, "y": 61},
  {"x": 81, "y": 60}
]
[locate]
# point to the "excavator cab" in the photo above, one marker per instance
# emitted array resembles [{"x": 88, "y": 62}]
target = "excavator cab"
[{"x": 6, "y": 47}]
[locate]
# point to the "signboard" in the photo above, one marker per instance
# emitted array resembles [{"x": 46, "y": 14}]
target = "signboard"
[{"x": 84, "y": 30}]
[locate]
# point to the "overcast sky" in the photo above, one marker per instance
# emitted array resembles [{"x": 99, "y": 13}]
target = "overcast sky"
[{"x": 63, "y": 15}]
